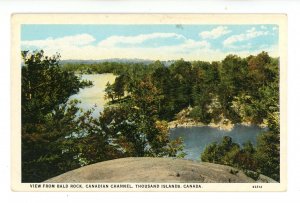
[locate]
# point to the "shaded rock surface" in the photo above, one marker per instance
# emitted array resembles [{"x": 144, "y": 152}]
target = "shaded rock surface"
[{"x": 156, "y": 170}]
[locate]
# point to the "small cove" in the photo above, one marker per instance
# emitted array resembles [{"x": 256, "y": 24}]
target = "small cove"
[{"x": 197, "y": 138}]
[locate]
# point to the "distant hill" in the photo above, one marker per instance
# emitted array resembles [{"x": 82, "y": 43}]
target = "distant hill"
[{"x": 118, "y": 60}]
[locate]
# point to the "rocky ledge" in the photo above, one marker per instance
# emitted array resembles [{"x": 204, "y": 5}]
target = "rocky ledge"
[{"x": 156, "y": 170}]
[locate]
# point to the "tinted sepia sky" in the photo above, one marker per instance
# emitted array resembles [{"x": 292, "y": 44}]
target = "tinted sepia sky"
[{"x": 156, "y": 42}]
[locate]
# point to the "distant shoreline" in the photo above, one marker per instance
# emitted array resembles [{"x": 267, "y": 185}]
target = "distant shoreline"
[{"x": 221, "y": 125}]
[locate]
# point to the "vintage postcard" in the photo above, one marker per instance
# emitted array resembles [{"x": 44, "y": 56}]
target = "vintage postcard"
[{"x": 149, "y": 102}]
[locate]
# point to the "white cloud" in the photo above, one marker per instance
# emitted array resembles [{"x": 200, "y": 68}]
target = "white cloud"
[
  {"x": 138, "y": 39},
  {"x": 85, "y": 47},
  {"x": 189, "y": 44},
  {"x": 82, "y": 47},
  {"x": 272, "y": 50},
  {"x": 275, "y": 28},
  {"x": 250, "y": 34},
  {"x": 215, "y": 33},
  {"x": 76, "y": 40},
  {"x": 263, "y": 27}
]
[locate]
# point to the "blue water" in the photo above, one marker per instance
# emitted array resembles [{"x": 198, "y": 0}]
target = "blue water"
[{"x": 197, "y": 138}]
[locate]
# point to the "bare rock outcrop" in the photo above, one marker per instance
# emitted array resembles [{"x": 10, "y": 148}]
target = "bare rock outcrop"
[{"x": 156, "y": 170}]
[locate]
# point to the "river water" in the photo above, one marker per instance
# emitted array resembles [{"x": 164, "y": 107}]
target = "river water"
[
  {"x": 195, "y": 138},
  {"x": 93, "y": 97}
]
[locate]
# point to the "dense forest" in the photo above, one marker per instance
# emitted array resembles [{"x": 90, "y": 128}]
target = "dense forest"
[{"x": 57, "y": 136}]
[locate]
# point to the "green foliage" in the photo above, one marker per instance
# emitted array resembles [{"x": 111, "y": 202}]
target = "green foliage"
[
  {"x": 240, "y": 86},
  {"x": 44, "y": 85},
  {"x": 235, "y": 89},
  {"x": 268, "y": 154},
  {"x": 259, "y": 69},
  {"x": 57, "y": 136},
  {"x": 197, "y": 114},
  {"x": 263, "y": 159},
  {"x": 139, "y": 114},
  {"x": 224, "y": 153},
  {"x": 252, "y": 174},
  {"x": 46, "y": 117},
  {"x": 230, "y": 153},
  {"x": 109, "y": 92}
]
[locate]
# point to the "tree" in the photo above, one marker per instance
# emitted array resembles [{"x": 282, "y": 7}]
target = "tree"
[
  {"x": 268, "y": 148},
  {"x": 57, "y": 136},
  {"x": 120, "y": 85},
  {"x": 232, "y": 154},
  {"x": 246, "y": 157},
  {"x": 134, "y": 126},
  {"x": 109, "y": 92},
  {"x": 205, "y": 77},
  {"x": 222, "y": 153},
  {"x": 181, "y": 84},
  {"x": 232, "y": 81},
  {"x": 44, "y": 85},
  {"x": 47, "y": 119},
  {"x": 259, "y": 71},
  {"x": 211, "y": 153},
  {"x": 137, "y": 134}
]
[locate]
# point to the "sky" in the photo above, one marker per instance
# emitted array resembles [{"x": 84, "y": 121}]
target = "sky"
[{"x": 151, "y": 41}]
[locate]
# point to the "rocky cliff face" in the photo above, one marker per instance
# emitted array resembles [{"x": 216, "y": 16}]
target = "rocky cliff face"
[{"x": 156, "y": 170}]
